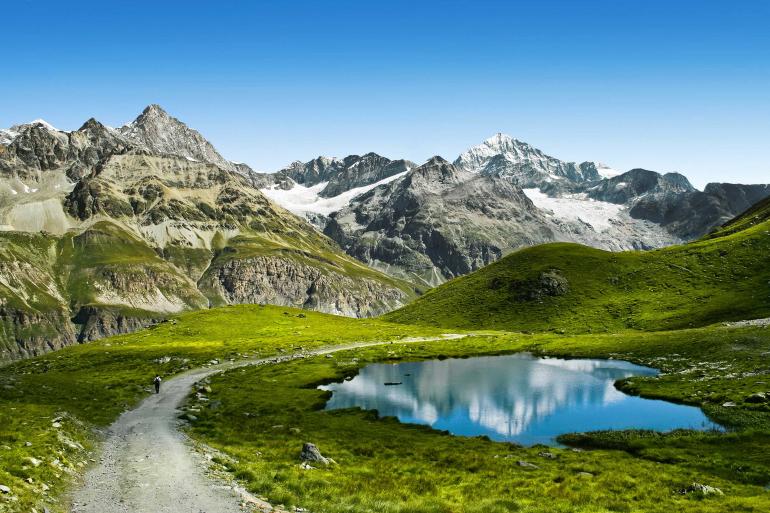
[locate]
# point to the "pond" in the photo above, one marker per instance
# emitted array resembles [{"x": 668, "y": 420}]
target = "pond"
[{"x": 518, "y": 398}]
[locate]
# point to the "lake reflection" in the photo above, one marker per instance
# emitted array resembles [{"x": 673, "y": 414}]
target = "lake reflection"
[{"x": 515, "y": 398}]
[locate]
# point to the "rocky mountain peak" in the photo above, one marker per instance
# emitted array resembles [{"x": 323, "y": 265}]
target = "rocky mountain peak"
[
  {"x": 154, "y": 109},
  {"x": 41, "y": 123},
  {"x": 436, "y": 160},
  {"x": 636, "y": 183},
  {"x": 501, "y": 142},
  {"x": 92, "y": 124},
  {"x": 436, "y": 171},
  {"x": 161, "y": 133},
  {"x": 677, "y": 182},
  {"x": 502, "y": 155}
]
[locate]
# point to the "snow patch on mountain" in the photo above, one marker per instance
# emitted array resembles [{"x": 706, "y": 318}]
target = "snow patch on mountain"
[
  {"x": 301, "y": 200},
  {"x": 7, "y": 136},
  {"x": 577, "y": 207},
  {"x": 606, "y": 171},
  {"x": 46, "y": 124}
]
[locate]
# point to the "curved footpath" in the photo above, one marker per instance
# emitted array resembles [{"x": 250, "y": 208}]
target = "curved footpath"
[{"x": 147, "y": 465}]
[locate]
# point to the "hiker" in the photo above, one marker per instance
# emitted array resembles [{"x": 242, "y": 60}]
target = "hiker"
[{"x": 157, "y": 381}]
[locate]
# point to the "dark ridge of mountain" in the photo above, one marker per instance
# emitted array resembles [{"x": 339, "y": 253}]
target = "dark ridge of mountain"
[
  {"x": 340, "y": 174},
  {"x": 670, "y": 201},
  {"x": 756, "y": 215},
  {"x": 38, "y": 148},
  {"x": 633, "y": 184}
]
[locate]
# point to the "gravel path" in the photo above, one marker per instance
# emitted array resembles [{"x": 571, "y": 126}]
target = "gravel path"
[{"x": 147, "y": 465}]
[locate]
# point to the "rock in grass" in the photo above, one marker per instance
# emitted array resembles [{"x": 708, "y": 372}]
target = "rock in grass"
[
  {"x": 759, "y": 397},
  {"x": 547, "y": 455},
  {"x": 702, "y": 489},
  {"x": 4, "y": 489},
  {"x": 526, "y": 464},
  {"x": 311, "y": 453}
]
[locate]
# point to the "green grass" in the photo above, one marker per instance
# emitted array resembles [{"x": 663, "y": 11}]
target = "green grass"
[
  {"x": 90, "y": 385},
  {"x": 725, "y": 277},
  {"x": 756, "y": 216},
  {"x": 385, "y": 466}
]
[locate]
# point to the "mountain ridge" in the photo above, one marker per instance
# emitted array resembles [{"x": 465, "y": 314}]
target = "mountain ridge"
[{"x": 133, "y": 233}]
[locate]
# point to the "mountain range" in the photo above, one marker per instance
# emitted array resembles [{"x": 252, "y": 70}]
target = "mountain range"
[
  {"x": 439, "y": 220},
  {"x": 105, "y": 230}
]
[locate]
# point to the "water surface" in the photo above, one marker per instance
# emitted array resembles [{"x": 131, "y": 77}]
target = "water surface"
[{"x": 516, "y": 397}]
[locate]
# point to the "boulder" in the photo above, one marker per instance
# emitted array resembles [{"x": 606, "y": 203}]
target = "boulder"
[
  {"x": 702, "y": 489},
  {"x": 311, "y": 453},
  {"x": 4, "y": 489},
  {"x": 759, "y": 397},
  {"x": 33, "y": 461}
]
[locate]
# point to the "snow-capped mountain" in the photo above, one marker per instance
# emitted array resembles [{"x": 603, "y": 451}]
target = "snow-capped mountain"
[
  {"x": 306, "y": 201},
  {"x": 439, "y": 220},
  {"x": 325, "y": 185},
  {"x": 506, "y": 157},
  {"x": 161, "y": 185}
]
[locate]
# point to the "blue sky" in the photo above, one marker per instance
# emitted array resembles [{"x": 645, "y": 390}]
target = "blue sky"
[{"x": 666, "y": 85}]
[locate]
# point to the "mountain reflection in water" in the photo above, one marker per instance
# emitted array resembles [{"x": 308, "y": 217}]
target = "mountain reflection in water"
[{"x": 516, "y": 397}]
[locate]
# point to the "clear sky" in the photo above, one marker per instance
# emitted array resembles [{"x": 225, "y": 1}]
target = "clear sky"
[{"x": 672, "y": 85}]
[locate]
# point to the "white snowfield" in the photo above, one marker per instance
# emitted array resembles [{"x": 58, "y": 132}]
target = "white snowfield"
[
  {"x": 300, "y": 199},
  {"x": 7, "y": 135},
  {"x": 577, "y": 207},
  {"x": 605, "y": 171}
]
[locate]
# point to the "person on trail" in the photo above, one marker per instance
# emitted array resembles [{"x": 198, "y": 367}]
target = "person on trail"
[{"x": 157, "y": 381}]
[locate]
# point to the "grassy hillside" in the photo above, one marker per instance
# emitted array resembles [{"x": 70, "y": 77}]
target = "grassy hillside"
[
  {"x": 573, "y": 289},
  {"x": 56, "y": 290},
  {"x": 87, "y": 386},
  {"x": 757, "y": 215},
  {"x": 147, "y": 237}
]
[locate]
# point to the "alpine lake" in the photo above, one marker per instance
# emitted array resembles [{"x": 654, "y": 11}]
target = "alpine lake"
[{"x": 516, "y": 398}]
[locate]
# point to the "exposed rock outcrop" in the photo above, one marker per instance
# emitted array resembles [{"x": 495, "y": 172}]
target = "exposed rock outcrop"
[{"x": 283, "y": 281}]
